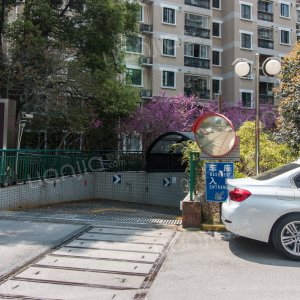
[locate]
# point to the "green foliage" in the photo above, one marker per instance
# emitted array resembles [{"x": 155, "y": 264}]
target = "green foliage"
[
  {"x": 271, "y": 154},
  {"x": 64, "y": 62},
  {"x": 289, "y": 105}
]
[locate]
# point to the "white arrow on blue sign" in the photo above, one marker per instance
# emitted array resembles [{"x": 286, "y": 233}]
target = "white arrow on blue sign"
[
  {"x": 117, "y": 179},
  {"x": 167, "y": 182}
]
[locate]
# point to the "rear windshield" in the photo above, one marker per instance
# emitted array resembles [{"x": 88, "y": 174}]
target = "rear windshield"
[{"x": 276, "y": 172}]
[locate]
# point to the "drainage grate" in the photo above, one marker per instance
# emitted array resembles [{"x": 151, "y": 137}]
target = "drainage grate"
[{"x": 85, "y": 217}]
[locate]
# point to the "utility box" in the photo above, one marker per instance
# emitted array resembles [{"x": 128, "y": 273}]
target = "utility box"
[{"x": 7, "y": 124}]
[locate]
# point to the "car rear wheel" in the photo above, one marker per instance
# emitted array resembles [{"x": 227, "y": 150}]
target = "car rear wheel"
[{"x": 286, "y": 236}]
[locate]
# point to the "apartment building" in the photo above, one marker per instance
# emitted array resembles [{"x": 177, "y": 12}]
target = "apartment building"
[{"x": 188, "y": 46}]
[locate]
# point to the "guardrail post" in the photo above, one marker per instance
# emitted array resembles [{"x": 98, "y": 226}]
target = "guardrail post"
[
  {"x": 25, "y": 169},
  {"x": 44, "y": 164},
  {"x": 3, "y": 158}
]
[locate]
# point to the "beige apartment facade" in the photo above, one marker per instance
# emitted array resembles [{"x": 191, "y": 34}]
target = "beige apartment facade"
[{"x": 188, "y": 46}]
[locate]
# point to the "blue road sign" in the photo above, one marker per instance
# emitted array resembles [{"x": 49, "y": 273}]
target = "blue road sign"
[
  {"x": 167, "y": 182},
  {"x": 117, "y": 179},
  {"x": 215, "y": 180}
]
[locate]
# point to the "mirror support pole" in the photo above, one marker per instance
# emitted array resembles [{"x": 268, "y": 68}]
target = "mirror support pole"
[
  {"x": 257, "y": 113},
  {"x": 220, "y": 102}
]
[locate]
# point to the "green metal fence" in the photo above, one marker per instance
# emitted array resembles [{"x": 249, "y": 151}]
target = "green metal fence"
[
  {"x": 25, "y": 165},
  {"x": 194, "y": 159}
]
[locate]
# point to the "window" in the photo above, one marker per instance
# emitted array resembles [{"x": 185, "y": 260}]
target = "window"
[
  {"x": 197, "y": 26},
  {"x": 216, "y": 29},
  {"x": 196, "y": 56},
  {"x": 246, "y": 41},
  {"x": 216, "y": 58},
  {"x": 168, "y": 15},
  {"x": 197, "y": 86},
  {"x": 216, "y": 4},
  {"x": 265, "y": 37},
  {"x": 265, "y": 6},
  {"x": 140, "y": 17},
  {"x": 168, "y": 79},
  {"x": 246, "y": 99},
  {"x": 134, "y": 45},
  {"x": 169, "y": 47},
  {"x": 284, "y": 10},
  {"x": 216, "y": 85},
  {"x": 194, "y": 50},
  {"x": 132, "y": 143},
  {"x": 265, "y": 10},
  {"x": 284, "y": 37},
  {"x": 135, "y": 76},
  {"x": 246, "y": 12}
]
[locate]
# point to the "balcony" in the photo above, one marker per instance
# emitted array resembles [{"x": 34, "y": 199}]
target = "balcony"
[
  {"x": 146, "y": 29},
  {"x": 199, "y": 3},
  {"x": 297, "y": 2},
  {"x": 262, "y": 43},
  {"x": 198, "y": 93},
  {"x": 146, "y": 61},
  {"x": 196, "y": 62},
  {"x": 297, "y": 27},
  {"x": 148, "y": 1},
  {"x": 197, "y": 32},
  {"x": 265, "y": 16},
  {"x": 266, "y": 99}
]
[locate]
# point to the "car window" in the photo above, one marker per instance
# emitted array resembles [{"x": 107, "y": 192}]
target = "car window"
[
  {"x": 297, "y": 181},
  {"x": 276, "y": 172}
]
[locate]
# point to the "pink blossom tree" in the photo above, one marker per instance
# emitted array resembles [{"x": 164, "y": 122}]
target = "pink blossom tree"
[{"x": 165, "y": 114}]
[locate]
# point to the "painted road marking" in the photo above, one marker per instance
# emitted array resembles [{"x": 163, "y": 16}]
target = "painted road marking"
[{"x": 106, "y": 209}]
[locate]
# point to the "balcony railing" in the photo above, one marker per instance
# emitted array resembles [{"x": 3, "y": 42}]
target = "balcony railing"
[
  {"x": 146, "y": 28},
  {"x": 147, "y": 1},
  {"x": 297, "y": 2},
  {"x": 265, "y": 16},
  {"x": 147, "y": 94},
  {"x": 266, "y": 99},
  {"x": 147, "y": 61},
  {"x": 196, "y": 62},
  {"x": 199, "y": 3},
  {"x": 265, "y": 44},
  {"x": 197, "y": 32},
  {"x": 199, "y": 93}
]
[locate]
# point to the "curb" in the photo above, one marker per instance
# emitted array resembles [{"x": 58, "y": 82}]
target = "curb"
[{"x": 214, "y": 227}]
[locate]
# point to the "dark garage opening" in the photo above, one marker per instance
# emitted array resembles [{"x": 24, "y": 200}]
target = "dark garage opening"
[{"x": 161, "y": 157}]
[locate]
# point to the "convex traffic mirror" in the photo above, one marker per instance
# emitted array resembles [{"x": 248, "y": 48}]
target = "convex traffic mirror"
[{"x": 214, "y": 134}]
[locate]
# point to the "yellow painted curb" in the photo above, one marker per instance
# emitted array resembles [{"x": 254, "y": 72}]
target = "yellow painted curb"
[{"x": 214, "y": 227}]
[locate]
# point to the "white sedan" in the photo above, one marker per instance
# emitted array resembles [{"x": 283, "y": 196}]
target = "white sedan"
[{"x": 267, "y": 207}]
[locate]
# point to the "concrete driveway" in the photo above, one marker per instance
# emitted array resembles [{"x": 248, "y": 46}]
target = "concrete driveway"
[
  {"x": 21, "y": 241},
  {"x": 205, "y": 265}
]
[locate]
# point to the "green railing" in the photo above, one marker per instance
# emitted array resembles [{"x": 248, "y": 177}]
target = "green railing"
[
  {"x": 194, "y": 158},
  {"x": 26, "y": 165}
]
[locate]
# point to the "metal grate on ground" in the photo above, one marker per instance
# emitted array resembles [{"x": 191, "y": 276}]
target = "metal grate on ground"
[{"x": 85, "y": 217}]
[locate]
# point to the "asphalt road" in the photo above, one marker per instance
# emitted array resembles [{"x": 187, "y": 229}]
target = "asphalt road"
[
  {"x": 220, "y": 266},
  {"x": 101, "y": 207},
  {"x": 21, "y": 241}
]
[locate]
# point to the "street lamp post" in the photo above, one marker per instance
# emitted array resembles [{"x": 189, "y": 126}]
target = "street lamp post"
[{"x": 271, "y": 66}]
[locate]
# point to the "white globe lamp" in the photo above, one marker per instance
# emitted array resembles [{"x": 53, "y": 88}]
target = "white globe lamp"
[
  {"x": 273, "y": 67},
  {"x": 242, "y": 68}
]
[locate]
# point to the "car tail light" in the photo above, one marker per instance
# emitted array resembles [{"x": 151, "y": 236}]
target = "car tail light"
[{"x": 239, "y": 195}]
